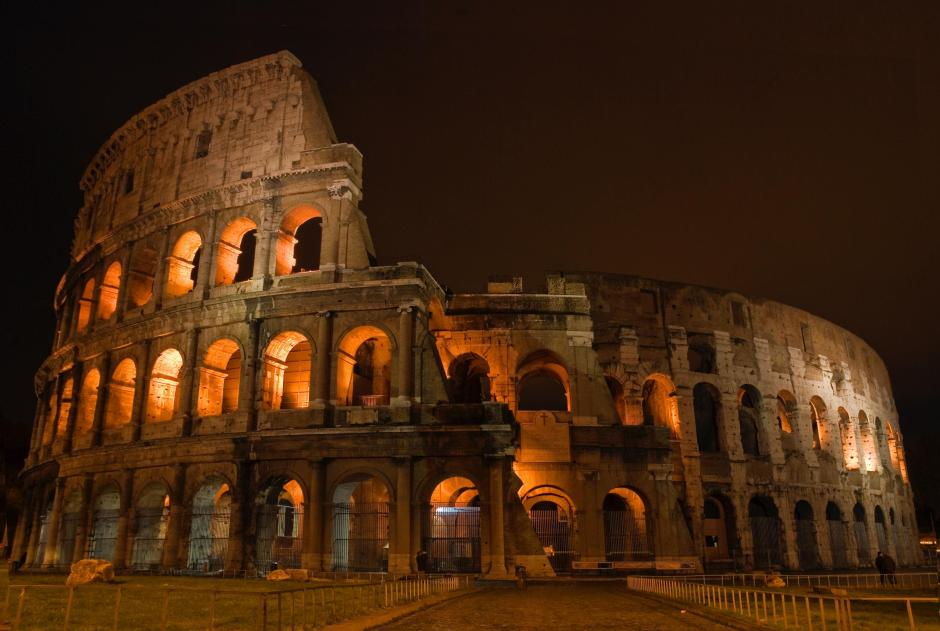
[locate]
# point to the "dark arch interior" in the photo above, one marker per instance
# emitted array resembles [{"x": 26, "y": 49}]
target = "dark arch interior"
[
  {"x": 712, "y": 509},
  {"x": 542, "y": 390},
  {"x": 833, "y": 513},
  {"x": 705, "y": 404},
  {"x": 803, "y": 511},
  {"x": 469, "y": 380},
  {"x": 194, "y": 273},
  {"x": 613, "y": 502},
  {"x": 246, "y": 260},
  {"x": 307, "y": 248},
  {"x": 859, "y": 513},
  {"x": 761, "y": 507}
]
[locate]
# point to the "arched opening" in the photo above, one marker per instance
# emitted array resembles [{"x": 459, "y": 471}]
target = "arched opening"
[
  {"x": 718, "y": 529},
  {"x": 120, "y": 401},
  {"x": 819, "y": 426},
  {"x": 659, "y": 404},
  {"x": 87, "y": 401},
  {"x": 881, "y": 440},
  {"x": 68, "y": 529},
  {"x": 360, "y": 525},
  {"x": 749, "y": 402},
  {"x": 701, "y": 354},
  {"x": 299, "y": 241},
  {"x": 105, "y": 511},
  {"x": 469, "y": 379},
  {"x": 364, "y": 367},
  {"x": 220, "y": 378},
  {"x": 286, "y": 383},
  {"x": 65, "y": 407},
  {"x": 706, "y": 401},
  {"x": 765, "y": 531},
  {"x": 869, "y": 444},
  {"x": 862, "y": 547},
  {"x": 279, "y": 512},
  {"x": 626, "y": 529},
  {"x": 49, "y": 415},
  {"x": 849, "y": 445},
  {"x": 893, "y": 525},
  {"x": 140, "y": 274},
  {"x": 452, "y": 527},
  {"x": 108, "y": 294},
  {"x": 542, "y": 383},
  {"x": 616, "y": 394},
  {"x": 806, "y": 547},
  {"x": 208, "y": 538},
  {"x": 838, "y": 540},
  {"x": 151, "y": 515},
  {"x": 881, "y": 530},
  {"x": 183, "y": 265},
  {"x": 44, "y": 522},
  {"x": 235, "y": 255},
  {"x": 786, "y": 406},
  {"x": 164, "y": 383},
  {"x": 84, "y": 306},
  {"x": 893, "y": 448},
  {"x": 552, "y": 517}
]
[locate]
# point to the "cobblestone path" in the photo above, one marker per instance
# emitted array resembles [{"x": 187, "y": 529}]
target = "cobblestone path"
[{"x": 596, "y": 605}]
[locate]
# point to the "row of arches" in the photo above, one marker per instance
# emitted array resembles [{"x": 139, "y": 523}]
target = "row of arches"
[{"x": 296, "y": 247}]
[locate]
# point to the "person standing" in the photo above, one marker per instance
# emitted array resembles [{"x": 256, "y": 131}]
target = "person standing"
[{"x": 881, "y": 564}]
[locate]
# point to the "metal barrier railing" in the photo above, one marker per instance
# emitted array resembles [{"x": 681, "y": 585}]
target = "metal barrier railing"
[
  {"x": 787, "y": 609},
  {"x": 902, "y": 580},
  {"x": 293, "y": 608}
]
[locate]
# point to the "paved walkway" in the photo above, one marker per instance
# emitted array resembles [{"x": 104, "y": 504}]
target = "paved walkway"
[{"x": 594, "y": 605}]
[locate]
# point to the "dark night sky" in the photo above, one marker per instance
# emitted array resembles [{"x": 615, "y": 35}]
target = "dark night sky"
[{"x": 786, "y": 150}]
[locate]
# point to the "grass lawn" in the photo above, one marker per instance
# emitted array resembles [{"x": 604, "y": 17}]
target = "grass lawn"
[{"x": 239, "y": 603}]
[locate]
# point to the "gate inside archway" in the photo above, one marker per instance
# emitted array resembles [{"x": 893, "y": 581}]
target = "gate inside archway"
[
  {"x": 360, "y": 525},
  {"x": 452, "y": 527},
  {"x": 552, "y": 524},
  {"x": 151, "y": 515},
  {"x": 626, "y": 533},
  {"x": 806, "y": 536},
  {"x": 208, "y": 538},
  {"x": 838, "y": 541},
  {"x": 103, "y": 537},
  {"x": 718, "y": 529},
  {"x": 765, "y": 531},
  {"x": 863, "y": 550},
  {"x": 279, "y": 526}
]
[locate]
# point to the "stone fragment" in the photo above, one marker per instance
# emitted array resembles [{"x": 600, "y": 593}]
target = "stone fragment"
[{"x": 90, "y": 570}]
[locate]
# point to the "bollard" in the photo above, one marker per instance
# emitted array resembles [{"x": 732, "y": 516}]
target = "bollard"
[
  {"x": 68, "y": 609},
  {"x": 117, "y": 608}
]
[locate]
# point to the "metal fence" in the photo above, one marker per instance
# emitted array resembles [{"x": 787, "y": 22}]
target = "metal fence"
[
  {"x": 861, "y": 543},
  {"x": 626, "y": 537},
  {"x": 766, "y": 534},
  {"x": 776, "y": 608},
  {"x": 554, "y": 534},
  {"x": 453, "y": 538},
  {"x": 208, "y": 541},
  {"x": 103, "y": 535},
  {"x": 838, "y": 543},
  {"x": 360, "y": 536},
  {"x": 148, "y": 541},
  {"x": 140, "y": 607},
  {"x": 279, "y": 537},
  {"x": 902, "y": 580}
]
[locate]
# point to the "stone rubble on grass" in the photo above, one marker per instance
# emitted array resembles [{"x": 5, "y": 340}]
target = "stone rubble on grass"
[
  {"x": 288, "y": 575},
  {"x": 90, "y": 570}
]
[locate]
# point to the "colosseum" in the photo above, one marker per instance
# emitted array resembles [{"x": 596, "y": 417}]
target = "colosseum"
[{"x": 235, "y": 385}]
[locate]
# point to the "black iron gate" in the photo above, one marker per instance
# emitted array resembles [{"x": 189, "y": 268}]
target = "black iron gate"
[
  {"x": 151, "y": 533},
  {"x": 279, "y": 537},
  {"x": 103, "y": 537},
  {"x": 806, "y": 544},
  {"x": 838, "y": 543},
  {"x": 626, "y": 537},
  {"x": 765, "y": 531},
  {"x": 453, "y": 538},
  {"x": 554, "y": 533},
  {"x": 68, "y": 529},
  {"x": 882, "y": 537},
  {"x": 360, "y": 537},
  {"x": 43, "y": 538},
  {"x": 861, "y": 544},
  {"x": 208, "y": 540}
]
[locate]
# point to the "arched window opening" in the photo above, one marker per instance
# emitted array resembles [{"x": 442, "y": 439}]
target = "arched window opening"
[
  {"x": 838, "y": 539},
  {"x": 140, "y": 274},
  {"x": 360, "y": 525},
  {"x": 164, "y": 383},
  {"x": 108, "y": 294},
  {"x": 786, "y": 406},
  {"x": 87, "y": 401},
  {"x": 68, "y": 529},
  {"x": 120, "y": 400},
  {"x": 849, "y": 445},
  {"x": 299, "y": 241},
  {"x": 542, "y": 383},
  {"x": 765, "y": 531},
  {"x": 749, "y": 419},
  {"x": 552, "y": 519},
  {"x": 208, "y": 538},
  {"x": 286, "y": 384},
  {"x": 220, "y": 378},
  {"x": 821, "y": 436},
  {"x": 880, "y": 530},
  {"x": 364, "y": 367},
  {"x": 469, "y": 379},
  {"x": 279, "y": 517},
  {"x": 718, "y": 529},
  {"x": 49, "y": 415},
  {"x": 627, "y": 535},
  {"x": 863, "y": 548},
  {"x": 152, "y": 515},
  {"x": 706, "y": 402},
  {"x": 183, "y": 265},
  {"x": 893, "y": 447},
  {"x": 104, "y": 525},
  {"x": 65, "y": 407},
  {"x": 235, "y": 254},
  {"x": 84, "y": 306},
  {"x": 659, "y": 404},
  {"x": 452, "y": 527},
  {"x": 881, "y": 439},
  {"x": 616, "y": 394},
  {"x": 806, "y": 546},
  {"x": 701, "y": 353}
]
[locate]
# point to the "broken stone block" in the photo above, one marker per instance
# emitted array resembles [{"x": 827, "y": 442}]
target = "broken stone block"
[{"x": 90, "y": 570}]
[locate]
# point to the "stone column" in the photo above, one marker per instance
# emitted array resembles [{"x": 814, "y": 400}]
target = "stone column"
[
  {"x": 497, "y": 525},
  {"x": 171, "y": 548},
  {"x": 141, "y": 393},
  {"x": 81, "y": 533},
  {"x": 77, "y": 367},
  {"x": 120, "y": 545},
  {"x": 19, "y": 538},
  {"x": 590, "y": 519},
  {"x": 239, "y": 518},
  {"x": 399, "y": 557},
  {"x": 36, "y": 435},
  {"x": 321, "y": 379},
  {"x": 189, "y": 384},
  {"x": 52, "y": 534},
  {"x": 32, "y": 547},
  {"x": 406, "y": 358},
  {"x": 312, "y": 553},
  {"x": 159, "y": 276},
  {"x": 247, "y": 402},
  {"x": 104, "y": 392}
]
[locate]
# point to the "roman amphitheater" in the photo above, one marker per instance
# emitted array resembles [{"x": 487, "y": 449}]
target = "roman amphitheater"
[{"x": 235, "y": 385}]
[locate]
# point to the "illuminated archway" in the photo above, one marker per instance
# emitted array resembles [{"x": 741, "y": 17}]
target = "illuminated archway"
[
  {"x": 183, "y": 264},
  {"x": 87, "y": 401},
  {"x": 120, "y": 400},
  {"x": 279, "y": 513},
  {"x": 553, "y": 519},
  {"x": 659, "y": 404},
  {"x": 209, "y": 530},
  {"x": 286, "y": 383},
  {"x": 302, "y": 222},
  {"x": 749, "y": 402},
  {"x": 469, "y": 379},
  {"x": 152, "y": 514},
  {"x": 140, "y": 274},
  {"x": 108, "y": 293},
  {"x": 220, "y": 378},
  {"x": 104, "y": 524},
  {"x": 84, "y": 306},
  {"x": 364, "y": 367},
  {"x": 786, "y": 407},
  {"x": 65, "y": 407},
  {"x": 849, "y": 445},
  {"x": 452, "y": 527},
  {"x": 819, "y": 427},
  {"x": 164, "y": 383},
  {"x": 360, "y": 524},
  {"x": 68, "y": 529},
  {"x": 235, "y": 253},
  {"x": 869, "y": 443},
  {"x": 542, "y": 383},
  {"x": 627, "y": 534}
]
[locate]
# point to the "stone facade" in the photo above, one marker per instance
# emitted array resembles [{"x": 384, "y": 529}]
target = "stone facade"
[{"x": 236, "y": 385}]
